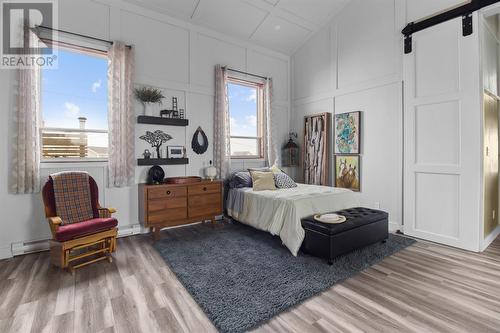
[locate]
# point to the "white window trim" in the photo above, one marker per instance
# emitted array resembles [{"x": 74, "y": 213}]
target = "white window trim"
[{"x": 260, "y": 120}]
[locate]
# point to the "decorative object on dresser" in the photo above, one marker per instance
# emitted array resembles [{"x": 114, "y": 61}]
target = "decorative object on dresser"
[
  {"x": 316, "y": 151},
  {"x": 290, "y": 152},
  {"x": 199, "y": 148},
  {"x": 83, "y": 232},
  {"x": 156, "y": 139},
  {"x": 146, "y": 154},
  {"x": 348, "y": 133},
  {"x": 347, "y": 171},
  {"x": 156, "y": 175},
  {"x": 148, "y": 96},
  {"x": 182, "y": 180},
  {"x": 175, "y": 152},
  {"x": 169, "y": 205},
  {"x": 211, "y": 171}
]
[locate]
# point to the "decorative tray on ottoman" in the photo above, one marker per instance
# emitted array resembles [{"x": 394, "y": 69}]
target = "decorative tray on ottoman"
[{"x": 182, "y": 180}]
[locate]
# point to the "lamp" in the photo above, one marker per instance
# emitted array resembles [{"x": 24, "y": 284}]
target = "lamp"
[{"x": 290, "y": 152}]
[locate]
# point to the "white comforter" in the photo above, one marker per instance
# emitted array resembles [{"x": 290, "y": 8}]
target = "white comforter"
[{"x": 279, "y": 212}]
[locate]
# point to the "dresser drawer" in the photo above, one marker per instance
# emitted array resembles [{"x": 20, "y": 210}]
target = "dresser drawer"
[
  {"x": 166, "y": 215},
  {"x": 204, "y": 188},
  {"x": 161, "y": 204},
  {"x": 205, "y": 205},
  {"x": 164, "y": 192}
]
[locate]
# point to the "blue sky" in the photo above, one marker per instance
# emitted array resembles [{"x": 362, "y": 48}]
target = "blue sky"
[
  {"x": 78, "y": 88},
  {"x": 242, "y": 110}
]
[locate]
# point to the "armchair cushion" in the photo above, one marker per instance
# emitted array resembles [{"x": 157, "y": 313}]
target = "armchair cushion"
[
  {"x": 75, "y": 230},
  {"x": 72, "y": 196}
]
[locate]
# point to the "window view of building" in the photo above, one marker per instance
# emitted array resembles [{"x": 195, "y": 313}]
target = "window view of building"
[{"x": 75, "y": 107}]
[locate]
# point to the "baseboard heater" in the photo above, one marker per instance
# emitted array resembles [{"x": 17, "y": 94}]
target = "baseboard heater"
[
  {"x": 465, "y": 11},
  {"x": 21, "y": 248}
]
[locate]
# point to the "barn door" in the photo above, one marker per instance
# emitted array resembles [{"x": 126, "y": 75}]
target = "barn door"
[{"x": 442, "y": 129}]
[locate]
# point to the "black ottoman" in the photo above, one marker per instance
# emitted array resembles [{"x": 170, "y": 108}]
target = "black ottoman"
[{"x": 364, "y": 226}]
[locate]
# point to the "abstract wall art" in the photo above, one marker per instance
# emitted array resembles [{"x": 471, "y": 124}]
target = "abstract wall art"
[{"x": 347, "y": 133}]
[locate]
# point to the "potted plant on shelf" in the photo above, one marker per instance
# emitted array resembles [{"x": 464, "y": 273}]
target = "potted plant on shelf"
[{"x": 149, "y": 96}]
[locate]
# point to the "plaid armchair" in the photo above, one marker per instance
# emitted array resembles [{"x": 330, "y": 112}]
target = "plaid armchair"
[{"x": 77, "y": 221}]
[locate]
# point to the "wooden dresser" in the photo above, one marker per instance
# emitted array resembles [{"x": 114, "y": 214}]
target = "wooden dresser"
[{"x": 171, "y": 205}]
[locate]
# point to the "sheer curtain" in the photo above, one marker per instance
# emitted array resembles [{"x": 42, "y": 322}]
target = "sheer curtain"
[
  {"x": 121, "y": 116},
  {"x": 26, "y": 150},
  {"x": 222, "y": 148},
  {"x": 271, "y": 140},
  {"x": 25, "y": 163}
]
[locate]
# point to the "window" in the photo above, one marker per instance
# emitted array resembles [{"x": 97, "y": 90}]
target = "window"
[
  {"x": 74, "y": 107},
  {"x": 245, "y": 112}
]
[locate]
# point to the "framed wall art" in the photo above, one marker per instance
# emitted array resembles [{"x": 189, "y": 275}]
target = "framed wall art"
[
  {"x": 347, "y": 172},
  {"x": 348, "y": 133},
  {"x": 316, "y": 149}
]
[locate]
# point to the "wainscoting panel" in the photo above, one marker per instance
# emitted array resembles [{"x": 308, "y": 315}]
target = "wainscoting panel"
[
  {"x": 437, "y": 75},
  {"x": 437, "y": 204},
  {"x": 437, "y": 133}
]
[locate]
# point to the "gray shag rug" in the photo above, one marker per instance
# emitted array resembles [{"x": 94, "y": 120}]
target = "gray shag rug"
[{"x": 242, "y": 277}]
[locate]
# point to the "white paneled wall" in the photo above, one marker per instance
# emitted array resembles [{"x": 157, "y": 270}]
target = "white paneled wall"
[
  {"x": 355, "y": 64},
  {"x": 171, "y": 54}
]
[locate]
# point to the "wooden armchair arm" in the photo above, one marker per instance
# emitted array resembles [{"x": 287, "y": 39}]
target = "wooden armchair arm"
[
  {"x": 56, "y": 220},
  {"x": 106, "y": 212},
  {"x": 54, "y": 223}
]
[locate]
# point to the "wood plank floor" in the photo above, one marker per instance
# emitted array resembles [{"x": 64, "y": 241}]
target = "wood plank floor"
[{"x": 424, "y": 288}]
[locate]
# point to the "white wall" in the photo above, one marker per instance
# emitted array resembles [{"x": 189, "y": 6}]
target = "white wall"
[
  {"x": 355, "y": 64},
  {"x": 170, "y": 54}
]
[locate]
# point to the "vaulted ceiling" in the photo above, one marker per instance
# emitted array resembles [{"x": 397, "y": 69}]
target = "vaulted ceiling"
[{"x": 282, "y": 25}]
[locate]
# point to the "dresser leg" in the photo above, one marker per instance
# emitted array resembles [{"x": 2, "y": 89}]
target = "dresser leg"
[{"x": 156, "y": 233}]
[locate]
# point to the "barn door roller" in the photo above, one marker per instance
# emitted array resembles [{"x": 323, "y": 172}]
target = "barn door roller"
[{"x": 465, "y": 11}]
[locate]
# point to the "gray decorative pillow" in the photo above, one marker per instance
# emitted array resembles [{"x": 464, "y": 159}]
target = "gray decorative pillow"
[
  {"x": 241, "y": 179},
  {"x": 282, "y": 180}
]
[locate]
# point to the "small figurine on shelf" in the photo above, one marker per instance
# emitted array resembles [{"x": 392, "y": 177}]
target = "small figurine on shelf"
[
  {"x": 174, "y": 103},
  {"x": 175, "y": 114},
  {"x": 146, "y": 154},
  {"x": 166, "y": 113}
]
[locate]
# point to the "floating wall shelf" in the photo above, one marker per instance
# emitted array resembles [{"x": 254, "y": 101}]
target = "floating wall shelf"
[
  {"x": 162, "y": 161},
  {"x": 162, "y": 121}
]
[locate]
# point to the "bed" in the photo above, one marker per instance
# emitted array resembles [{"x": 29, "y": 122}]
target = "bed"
[{"x": 279, "y": 212}]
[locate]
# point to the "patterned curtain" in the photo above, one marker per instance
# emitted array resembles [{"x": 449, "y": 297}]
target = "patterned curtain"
[
  {"x": 273, "y": 156},
  {"x": 222, "y": 148},
  {"x": 25, "y": 163},
  {"x": 121, "y": 116}
]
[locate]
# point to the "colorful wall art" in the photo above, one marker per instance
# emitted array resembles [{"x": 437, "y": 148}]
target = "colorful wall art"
[{"x": 347, "y": 133}]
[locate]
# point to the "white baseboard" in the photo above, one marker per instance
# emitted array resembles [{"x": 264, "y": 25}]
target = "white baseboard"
[
  {"x": 131, "y": 230},
  {"x": 393, "y": 227},
  {"x": 5, "y": 252},
  {"x": 490, "y": 238}
]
